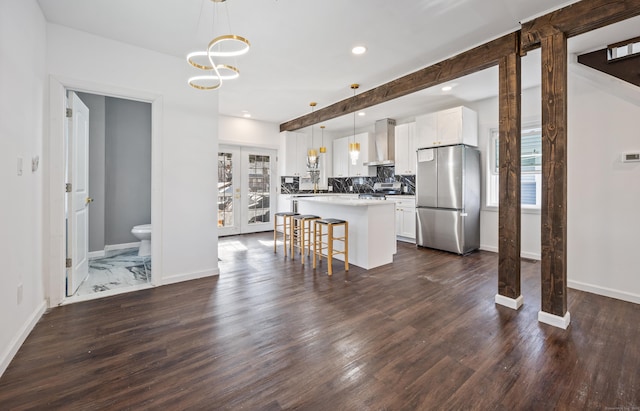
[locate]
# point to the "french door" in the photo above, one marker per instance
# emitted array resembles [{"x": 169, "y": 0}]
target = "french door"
[{"x": 245, "y": 189}]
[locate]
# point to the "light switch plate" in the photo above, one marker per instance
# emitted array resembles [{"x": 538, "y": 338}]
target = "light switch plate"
[{"x": 19, "y": 166}]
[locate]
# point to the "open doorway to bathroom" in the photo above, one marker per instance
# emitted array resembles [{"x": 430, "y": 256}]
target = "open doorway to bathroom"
[{"x": 108, "y": 204}]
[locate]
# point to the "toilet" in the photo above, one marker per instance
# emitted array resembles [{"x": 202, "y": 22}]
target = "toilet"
[{"x": 143, "y": 233}]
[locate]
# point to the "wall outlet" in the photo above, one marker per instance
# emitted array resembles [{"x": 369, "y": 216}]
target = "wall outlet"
[{"x": 19, "y": 293}]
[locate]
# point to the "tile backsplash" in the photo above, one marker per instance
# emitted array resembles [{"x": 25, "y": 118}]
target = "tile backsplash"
[{"x": 290, "y": 185}]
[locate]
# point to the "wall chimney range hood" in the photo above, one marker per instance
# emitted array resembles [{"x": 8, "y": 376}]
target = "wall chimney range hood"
[{"x": 385, "y": 139}]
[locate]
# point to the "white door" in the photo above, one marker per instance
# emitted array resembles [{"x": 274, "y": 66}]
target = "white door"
[
  {"x": 228, "y": 190},
  {"x": 246, "y": 190},
  {"x": 78, "y": 195}
]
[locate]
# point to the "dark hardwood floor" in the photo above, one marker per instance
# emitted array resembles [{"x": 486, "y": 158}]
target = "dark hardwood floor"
[{"x": 422, "y": 333}]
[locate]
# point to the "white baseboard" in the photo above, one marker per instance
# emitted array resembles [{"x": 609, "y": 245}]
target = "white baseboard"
[
  {"x": 109, "y": 249},
  {"x": 97, "y": 254},
  {"x": 112, "y": 247},
  {"x": 514, "y": 304},
  {"x": 607, "y": 292},
  {"x": 489, "y": 248},
  {"x": 18, "y": 340},
  {"x": 554, "y": 320},
  {"x": 523, "y": 254},
  {"x": 531, "y": 256},
  {"x": 190, "y": 276}
]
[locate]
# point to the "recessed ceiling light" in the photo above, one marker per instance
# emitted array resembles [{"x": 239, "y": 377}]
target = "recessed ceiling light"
[
  {"x": 246, "y": 115},
  {"x": 447, "y": 88},
  {"x": 362, "y": 114},
  {"x": 359, "y": 50}
]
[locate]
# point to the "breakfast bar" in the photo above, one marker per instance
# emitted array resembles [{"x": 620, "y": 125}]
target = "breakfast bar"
[{"x": 372, "y": 238}]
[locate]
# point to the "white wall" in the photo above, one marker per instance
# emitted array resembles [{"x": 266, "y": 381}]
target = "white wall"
[
  {"x": 603, "y": 193},
  {"x": 530, "y": 219},
  {"x": 185, "y": 121},
  {"x": 603, "y": 227},
  {"x": 22, "y": 81},
  {"x": 247, "y": 132}
]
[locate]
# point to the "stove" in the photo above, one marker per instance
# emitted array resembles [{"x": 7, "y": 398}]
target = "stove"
[
  {"x": 372, "y": 196},
  {"x": 388, "y": 188}
]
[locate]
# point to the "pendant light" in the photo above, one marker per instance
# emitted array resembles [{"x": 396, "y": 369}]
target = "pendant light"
[
  {"x": 354, "y": 148},
  {"x": 227, "y": 45},
  {"x": 323, "y": 149},
  {"x": 312, "y": 153}
]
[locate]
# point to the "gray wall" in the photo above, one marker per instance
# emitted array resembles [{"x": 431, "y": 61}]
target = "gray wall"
[
  {"x": 119, "y": 168},
  {"x": 128, "y": 168},
  {"x": 96, "y": 105}
]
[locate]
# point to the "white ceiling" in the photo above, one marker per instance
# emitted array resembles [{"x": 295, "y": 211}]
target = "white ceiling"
[{"x": 301, "y": 49}]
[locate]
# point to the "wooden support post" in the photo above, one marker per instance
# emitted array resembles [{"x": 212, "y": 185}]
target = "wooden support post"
[
  {"x": 509, "y": 227},
  {"x": 554, "y": 180}
]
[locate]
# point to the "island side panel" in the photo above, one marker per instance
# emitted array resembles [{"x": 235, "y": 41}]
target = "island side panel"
[{"x": 371, "y": 229}]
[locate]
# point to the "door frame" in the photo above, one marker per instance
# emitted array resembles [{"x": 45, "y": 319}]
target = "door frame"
[
  {"x": 77, "y": 201},
  {"x": 54, "y": 237},
  {"x": 241, "y": 217}
]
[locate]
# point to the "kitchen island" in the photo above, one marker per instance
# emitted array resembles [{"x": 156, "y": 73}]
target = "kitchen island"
[{"x": 372, "y": 238}]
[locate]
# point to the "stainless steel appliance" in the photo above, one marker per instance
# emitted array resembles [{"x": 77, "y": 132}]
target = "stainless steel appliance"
[
  {"x": 448, "y": 198},
  {"x": 388, "y": 188},
  {"x": 372, "y": 196}
]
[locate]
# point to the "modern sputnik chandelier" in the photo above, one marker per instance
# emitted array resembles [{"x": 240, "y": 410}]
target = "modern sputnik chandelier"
[{"x": 223, "y": 46}]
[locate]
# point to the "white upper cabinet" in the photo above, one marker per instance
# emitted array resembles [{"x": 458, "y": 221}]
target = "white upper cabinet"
[
  {"x": 341, "y": 157},
  {"x": 295, "y": 153},
  {"x": 342, "y": 166},
  {"x": 458, "y": 125},
  {"x": 405, "y": 149},
  {"x": 367, "y": 153}
]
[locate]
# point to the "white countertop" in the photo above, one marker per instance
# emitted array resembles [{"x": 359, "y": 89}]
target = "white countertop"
[{"x": 339, "y": 200}]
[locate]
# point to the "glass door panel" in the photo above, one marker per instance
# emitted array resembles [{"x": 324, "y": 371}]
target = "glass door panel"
[
  {"x": 228, "y": 191},
  {"x": 258, "y": 166},
  {"x": 245, "y": 190}
]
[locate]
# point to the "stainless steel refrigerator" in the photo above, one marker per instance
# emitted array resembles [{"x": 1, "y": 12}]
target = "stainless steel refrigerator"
[{"x": 448, "y": 198}]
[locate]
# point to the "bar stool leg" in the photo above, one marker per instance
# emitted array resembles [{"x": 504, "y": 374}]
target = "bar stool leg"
[
  {"x": 346, "y": 246},
  {"x": 301, "y": 235},
  {"x": 275, "y": 232},
  {"x": 330, "y": 250},
  {"x": 287, "y": 221},
  {"x": 316, "y": 228}
]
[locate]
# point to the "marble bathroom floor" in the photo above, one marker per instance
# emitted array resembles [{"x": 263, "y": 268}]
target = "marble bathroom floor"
[{"x": 123, "y": 269}]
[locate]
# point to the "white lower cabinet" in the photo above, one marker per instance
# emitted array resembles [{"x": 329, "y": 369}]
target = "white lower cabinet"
[{"x": 406, "y": 219}]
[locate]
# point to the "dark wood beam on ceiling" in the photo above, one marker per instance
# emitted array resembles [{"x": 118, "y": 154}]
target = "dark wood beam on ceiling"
[
  {"x": 577, "y": 18},
  {"x": 465, "y": 63},
  {"x": 509, "y": 227},
  {"x": 554, "y": 174}
]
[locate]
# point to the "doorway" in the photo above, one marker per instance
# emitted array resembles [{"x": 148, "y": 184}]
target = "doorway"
[
  {"x": 108, "y": 173},
  {"x": 245, "y": 189}
]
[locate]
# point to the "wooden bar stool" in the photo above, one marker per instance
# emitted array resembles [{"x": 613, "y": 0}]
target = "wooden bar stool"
[
  {"x": 319, "y": 244},
  {"x": 301, "y": 229},
  {"x": 286, "y": 230}
]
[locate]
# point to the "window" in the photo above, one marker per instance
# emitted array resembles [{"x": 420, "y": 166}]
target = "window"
[{"x": 531, "y": 168}]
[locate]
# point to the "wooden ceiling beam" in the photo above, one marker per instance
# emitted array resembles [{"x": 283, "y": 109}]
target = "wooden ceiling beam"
[
  {"x": 468, "y": 62},
  {"x": 577, "y": 18}
]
